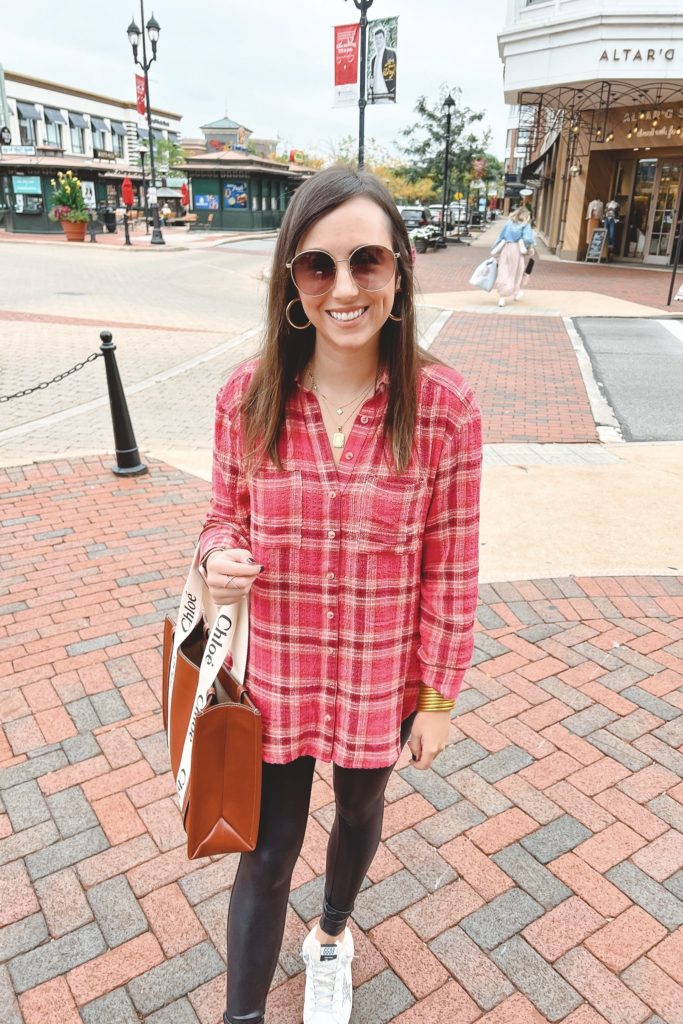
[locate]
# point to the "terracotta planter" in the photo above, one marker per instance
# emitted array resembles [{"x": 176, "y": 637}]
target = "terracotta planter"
[{"x": 74, "y": 230}]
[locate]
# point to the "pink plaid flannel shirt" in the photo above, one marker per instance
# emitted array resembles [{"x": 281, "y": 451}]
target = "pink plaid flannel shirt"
[{"x": 370, "y": 580}]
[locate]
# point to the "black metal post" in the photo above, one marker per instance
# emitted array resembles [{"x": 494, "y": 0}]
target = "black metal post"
[
  {"x": 144, "y": 192},
  {"x": 92, "y": 225},
  {"x": 362, "y": 6},
  {"x": 679, "y": 246},
  {"x": 125, "y": 227},
  {"x": 152, "y": 28},
  {"x": 128, "y": 462},
  {"x": 449, "y": 103}
]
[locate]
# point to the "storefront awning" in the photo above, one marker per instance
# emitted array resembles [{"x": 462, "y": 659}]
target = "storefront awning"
[
  {"x": 53, "y": 116},
  {"x": 77, "y": 120},
  {"x": 117, "y": 128},
  {"x": 98, "y": 124},
  {"x": 28, "y": 111},
  {"x": 531, "y": 168}
]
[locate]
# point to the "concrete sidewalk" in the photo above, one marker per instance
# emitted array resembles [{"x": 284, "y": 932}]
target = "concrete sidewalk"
[{"x": 535, "y": 875}]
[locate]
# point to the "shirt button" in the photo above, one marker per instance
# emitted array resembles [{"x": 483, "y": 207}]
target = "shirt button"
[
  {"x": 349, "y": 455},
  {"x": 328, "y": 718},
  {"x": 331, "y": 534},
  {"x": 330, "y": 615},
  {"x": 330, "y": 575},
  {"x": 364, "y": 419},
  {"x": 333, "y": 494}
]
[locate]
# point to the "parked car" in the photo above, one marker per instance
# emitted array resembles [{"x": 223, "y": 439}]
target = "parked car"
[{"x": 416, "y": 216}]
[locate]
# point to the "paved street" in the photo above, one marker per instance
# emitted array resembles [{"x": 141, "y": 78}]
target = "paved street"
[{"x": 536, "y": 874}]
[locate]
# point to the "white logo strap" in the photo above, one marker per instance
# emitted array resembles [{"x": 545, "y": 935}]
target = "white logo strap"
[{"x": 229, "y": 633}]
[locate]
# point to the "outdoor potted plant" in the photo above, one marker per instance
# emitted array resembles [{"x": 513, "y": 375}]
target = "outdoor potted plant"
[
  {"x": 424, "y": 237},
  {"x": 69, "y": 207}
]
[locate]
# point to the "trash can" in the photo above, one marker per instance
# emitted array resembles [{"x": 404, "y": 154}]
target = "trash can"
[{"x": 109, "y": 219}]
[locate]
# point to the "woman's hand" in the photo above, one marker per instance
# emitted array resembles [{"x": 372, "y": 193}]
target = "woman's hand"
[
  {"x": 230, "y": 574},
  {"x": 428, "y": 736}
]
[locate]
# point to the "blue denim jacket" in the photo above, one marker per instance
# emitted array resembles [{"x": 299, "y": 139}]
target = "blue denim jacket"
[{"x": 513, "y": 232}]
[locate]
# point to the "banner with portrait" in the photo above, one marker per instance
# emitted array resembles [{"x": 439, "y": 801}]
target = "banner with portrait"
[
  {"x": 346, "y": 44},
  {"x": 381, "y": 60}
]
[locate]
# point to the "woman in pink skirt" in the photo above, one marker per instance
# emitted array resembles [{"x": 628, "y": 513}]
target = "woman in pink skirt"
[{"x": 517, "y": 240}]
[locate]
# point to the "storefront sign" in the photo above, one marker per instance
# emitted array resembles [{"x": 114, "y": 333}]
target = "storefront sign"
[
  {"x": 638, "y": 55},
  {"x": 27, "y": 186},
  {"x": 596, "y": 246},
  {"x": 88, "y": 189},
  {"x": 205, "y": 202},
  {"x": 104, "y": 154},
  {"x": 18, "y": 150},
  {"x": 234, "y": 195}
]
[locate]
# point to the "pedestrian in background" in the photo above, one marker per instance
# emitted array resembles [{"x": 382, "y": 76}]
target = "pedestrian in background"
[
  {"x": 515, "y": 244},
  {"x": 345, "y": 502}
]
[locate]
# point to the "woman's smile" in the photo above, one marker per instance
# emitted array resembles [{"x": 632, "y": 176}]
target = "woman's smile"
[{"x": 345, "y": 316}]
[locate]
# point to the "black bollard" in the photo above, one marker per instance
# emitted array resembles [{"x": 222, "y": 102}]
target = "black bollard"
[
  {"x": 128, "y": 461},
  {"x": 92, "y": 226}
]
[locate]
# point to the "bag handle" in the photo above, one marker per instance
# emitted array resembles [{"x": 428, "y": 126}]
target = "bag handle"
[{"x": 228, "y": 634}]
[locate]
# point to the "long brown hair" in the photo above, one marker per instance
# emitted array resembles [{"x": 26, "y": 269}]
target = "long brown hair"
[{"x": 285, "y": 352}]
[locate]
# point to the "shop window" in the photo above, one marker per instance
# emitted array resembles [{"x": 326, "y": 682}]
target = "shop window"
[
  {"x": 99, "y": 139},
  {"x": 117, "y": 145},
  {"x": 27, "y": 131},
  {"x": 77, "y": 140},
  {"x": 53, "y": 135}
]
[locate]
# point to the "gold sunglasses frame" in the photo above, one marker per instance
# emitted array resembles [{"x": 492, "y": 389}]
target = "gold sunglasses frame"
[{"x": 290, "y": 267}]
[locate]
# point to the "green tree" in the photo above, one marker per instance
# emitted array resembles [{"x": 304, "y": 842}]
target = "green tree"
[
  {"x": 168, "y": 154},
  {"x": 424, "y": 141}
]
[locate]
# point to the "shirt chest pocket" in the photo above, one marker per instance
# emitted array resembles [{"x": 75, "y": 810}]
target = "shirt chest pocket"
[
  {"x": 391, "y": 513},
  {"x": 276, "y": 510}
]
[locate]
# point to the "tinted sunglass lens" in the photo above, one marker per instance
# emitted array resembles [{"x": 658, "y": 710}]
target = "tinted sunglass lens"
[
  {"x": 372, "y": 266},
  {"x": 313, "y": 272}
]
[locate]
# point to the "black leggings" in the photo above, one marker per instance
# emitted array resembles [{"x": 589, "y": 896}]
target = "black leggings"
[{"x": 258, "y": 902}]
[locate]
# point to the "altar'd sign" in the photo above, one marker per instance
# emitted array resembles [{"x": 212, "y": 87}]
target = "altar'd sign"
[{"x": 637, "y": 55}]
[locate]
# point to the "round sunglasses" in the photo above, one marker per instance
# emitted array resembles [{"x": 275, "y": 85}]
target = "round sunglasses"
[{"x": 314, "y": 271}]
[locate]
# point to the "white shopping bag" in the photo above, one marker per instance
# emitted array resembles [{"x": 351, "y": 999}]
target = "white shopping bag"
[{"x": 485, "y": 274}]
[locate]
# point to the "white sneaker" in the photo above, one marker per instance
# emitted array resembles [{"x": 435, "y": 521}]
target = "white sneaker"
[
  {"x": 501, "y": 302},
  {"x": 328, "y": 995}
]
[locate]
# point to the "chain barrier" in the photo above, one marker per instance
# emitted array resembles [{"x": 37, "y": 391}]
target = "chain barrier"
[{"x": 55, "y": 380}]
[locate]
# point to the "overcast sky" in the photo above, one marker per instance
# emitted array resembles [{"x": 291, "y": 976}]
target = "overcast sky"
[{"x": 267, "y": 63}]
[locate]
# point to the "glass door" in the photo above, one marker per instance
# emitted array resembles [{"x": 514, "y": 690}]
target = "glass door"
[
  {"x": 664, "y": 210},
  {"x": 639, "y": 214}
]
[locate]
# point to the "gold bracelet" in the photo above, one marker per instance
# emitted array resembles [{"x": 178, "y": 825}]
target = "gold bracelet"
[{"x": 430, "y": 699}]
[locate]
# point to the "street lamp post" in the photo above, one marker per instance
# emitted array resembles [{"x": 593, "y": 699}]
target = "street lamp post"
[
  {"x": 142, "y": 153},
  {"x": 363, "y": 6},
  {"x": 134, "y": 34},
  {"x": 448, "y": 103}
]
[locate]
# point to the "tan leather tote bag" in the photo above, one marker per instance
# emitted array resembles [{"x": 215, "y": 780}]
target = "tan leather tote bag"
[{"x": 212, "y": 726}]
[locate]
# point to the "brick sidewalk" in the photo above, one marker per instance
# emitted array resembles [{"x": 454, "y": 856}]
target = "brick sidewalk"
[
  {"x": 449, "y": 270},
  {"x": 535, "y": 875},
  {"x": 525, "y": 375}
]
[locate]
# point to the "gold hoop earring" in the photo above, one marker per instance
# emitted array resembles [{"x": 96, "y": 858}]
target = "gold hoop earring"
[
  {"x": 297, "y": 327},
  {"x": 396, "y": 319}
]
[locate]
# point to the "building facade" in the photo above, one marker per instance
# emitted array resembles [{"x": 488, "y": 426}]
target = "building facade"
[
  {"x": 597, "y": 92},
  {"x": 55, "y": 128},
  {"x": 233, "y": 188}
]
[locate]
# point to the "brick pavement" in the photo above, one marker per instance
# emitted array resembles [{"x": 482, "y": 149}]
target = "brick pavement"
[
  {"x": 524, "y": 373},
  {"x": 535, "y": 875}
]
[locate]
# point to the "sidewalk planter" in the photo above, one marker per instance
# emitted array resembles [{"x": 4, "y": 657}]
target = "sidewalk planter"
[{"x": 74, "y": 230}]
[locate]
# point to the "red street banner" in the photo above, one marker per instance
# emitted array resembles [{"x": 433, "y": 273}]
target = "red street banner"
[
  {"x": 346, "y": 41},
  {"x": 140, "y": 94}
]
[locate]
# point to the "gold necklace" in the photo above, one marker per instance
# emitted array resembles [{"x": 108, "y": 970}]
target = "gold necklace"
[{"x": 338, "y": 436}]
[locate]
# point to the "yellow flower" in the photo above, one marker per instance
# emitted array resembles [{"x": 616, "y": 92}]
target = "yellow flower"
[
  {"x": 53, "y": 182},
  {"x": 69, "y": 174}
]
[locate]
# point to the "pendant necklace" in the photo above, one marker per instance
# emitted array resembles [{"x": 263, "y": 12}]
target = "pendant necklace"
[{"x": 338, "y": 436}]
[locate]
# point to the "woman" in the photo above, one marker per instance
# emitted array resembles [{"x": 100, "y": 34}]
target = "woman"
[
  {"x": 345, "y": 501},
  {"x": 515, "y": 241}
]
